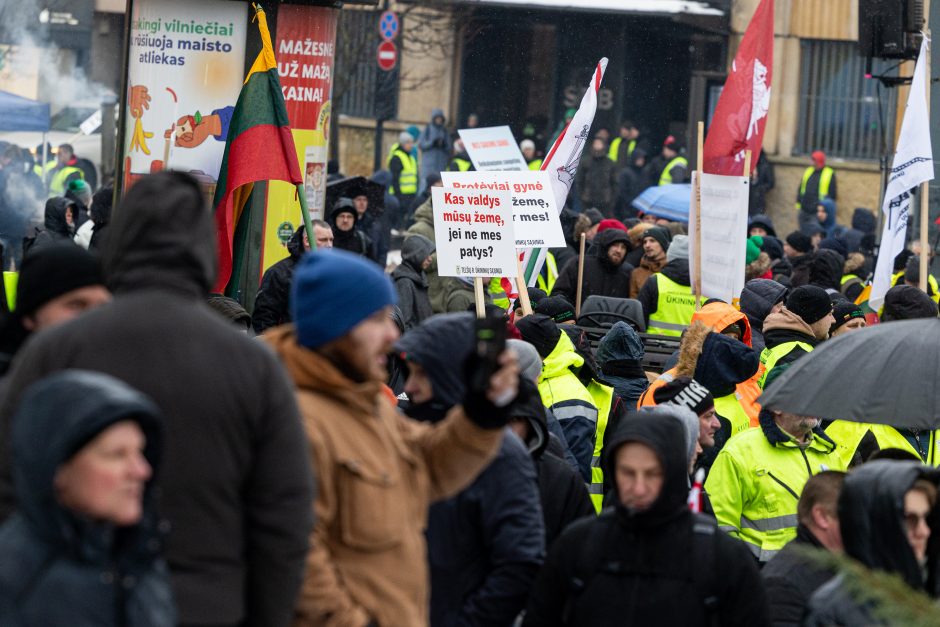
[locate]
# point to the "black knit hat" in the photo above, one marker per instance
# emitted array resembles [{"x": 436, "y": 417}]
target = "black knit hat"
[
  {"x": 845, "y": 311},
  {"x": 593, "y": 215},
  {"x": 685, "y": 392},
  {"x": 661, "y": 235},
  {"x": 800, "y": 242},
  {"x": 556, "y": 307},
  {"x": 810, "y": 303},
  {"x": 541, "y": 332},
  {"x": 906, "y": 302},
  {"x": 52, "y": 271}
]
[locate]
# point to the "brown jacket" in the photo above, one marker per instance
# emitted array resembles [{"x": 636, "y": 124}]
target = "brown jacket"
[
  {"x": 646, "y": 270},
  {"x": 377, "y": 473}
]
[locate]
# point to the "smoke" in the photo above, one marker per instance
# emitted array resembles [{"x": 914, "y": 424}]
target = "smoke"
[{"x": 21, "y": 205}]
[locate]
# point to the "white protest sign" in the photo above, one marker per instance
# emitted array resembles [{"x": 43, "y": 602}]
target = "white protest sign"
[
  {"x": 724, "y": 234},
  {"x": 534, "y": 213},
  {"x": 91, "y": 123},
  {"x": 492, "y": 149},
  {"x": 473, "y": 232}
]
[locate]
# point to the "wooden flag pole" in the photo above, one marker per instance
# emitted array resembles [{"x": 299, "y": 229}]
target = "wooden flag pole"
[
  {"x": 924, "y": 188},
  {"x": 478, "y": 296},
  {"x": 577, "y": 304},
  {"x": 523, "y": 289},
  {"x": 747, "y": 164},
  {"x": 700, "y": 171}
]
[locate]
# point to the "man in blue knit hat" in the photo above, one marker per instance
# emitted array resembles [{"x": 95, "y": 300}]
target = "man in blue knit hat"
[{"x": 377, "y": 471}]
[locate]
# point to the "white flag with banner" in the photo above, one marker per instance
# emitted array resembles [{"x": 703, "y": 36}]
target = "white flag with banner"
[
  {"x": 562, "y": 160},
  {"x": 912, "y": 165}
]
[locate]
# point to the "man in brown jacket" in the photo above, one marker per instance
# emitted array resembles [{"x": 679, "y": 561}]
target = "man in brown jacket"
[
  {"x": 377, "y": 471},
  {"x": 655, "y": 244}
]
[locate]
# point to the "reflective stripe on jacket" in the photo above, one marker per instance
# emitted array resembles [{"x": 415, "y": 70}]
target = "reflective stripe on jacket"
[
  {"x": 603, "y": 396},
  {"x": 674, "y": 309}
]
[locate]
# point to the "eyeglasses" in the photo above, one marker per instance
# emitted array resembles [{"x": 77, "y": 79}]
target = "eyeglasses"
[{"x": 912, "y": 520}]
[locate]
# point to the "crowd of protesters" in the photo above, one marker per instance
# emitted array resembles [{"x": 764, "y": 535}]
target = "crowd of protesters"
[{"x": 344, "y": 454}]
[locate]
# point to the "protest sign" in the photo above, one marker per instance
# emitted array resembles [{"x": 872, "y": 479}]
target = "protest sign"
[
  {"x": 492, "y": 149},
  {"x": 724, "y": 234},
  {"x": 473, "y": 232},
  {"x": 534, "y": 212}
]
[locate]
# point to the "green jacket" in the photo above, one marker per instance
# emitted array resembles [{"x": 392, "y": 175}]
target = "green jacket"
[{"x": 424, "y": 225}]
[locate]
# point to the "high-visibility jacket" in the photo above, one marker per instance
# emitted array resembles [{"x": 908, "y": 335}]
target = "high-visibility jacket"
[
  {"x": 497, "y": 293},
  {"x": 463, "y": 165},
  {"x": 603, "y": 396},
  {"x": 60, "y": 179},
  {"x": 898, "y": 277},
  {"x": 614, "y": 150},
  {"x": 674, "y": 309},
  {"x": 10, "y": 280},
  {"x": 825, "y": 180},
  {"x": 535, "y": 164},
  {"x": 666, "y": 177},
  {"x": 408, "y": 179},
  {"x": 729, "y": 407},
  {"x": 755, "y": 485},
  {"x": 770, "y": 356},
  {"x": 547, "y": 282},
  {"x": 848, "y": 436}
]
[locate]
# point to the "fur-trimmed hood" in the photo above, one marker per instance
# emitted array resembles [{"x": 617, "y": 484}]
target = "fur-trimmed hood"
[
  {"x": 853, "y": 263},
  {"x": 717, "y": 361},
  {"x": 757, "y": 268}
]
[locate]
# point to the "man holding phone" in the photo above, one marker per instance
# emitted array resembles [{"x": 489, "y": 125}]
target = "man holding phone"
[{"x": 377, "y": 471}]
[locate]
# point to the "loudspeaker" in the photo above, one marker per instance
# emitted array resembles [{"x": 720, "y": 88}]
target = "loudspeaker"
[{"x": 890, "y": 29}]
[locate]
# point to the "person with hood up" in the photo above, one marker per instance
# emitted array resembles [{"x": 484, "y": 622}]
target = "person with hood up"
[
  {"x": 411, "y": 282},
  {"x": 597, "y": 180},
  {"x": 666, "y": 297},
  {"x": 582, "y": 419},
  {"x": 826, "y": 270},
  {"x": 606, "y": 273},
  {"x": 761, "y": 226},
  {"x": 860, "y": 238},
  {"x": 799, "y": 250},
  {"x": 84, "y": 548},
  {"x": 905, "y": 302},
  {"x": 756, "y": 480},
  {"x": 759, "y": 299},
  {"x": 101, "y": 204},
  {"x": 373, "y": 224},
  {"x": 486, "y": 543},
  {"x": 377, "y": 471},
  {"x": 346, "y": 236},
  {"x": 757, "y": 262},
  {"x": 647, "y": 560},
  {"x": 271, "y": 303},
  {"x": 854, "y": 274},
  {"x": 435, "y": 145},
  {"x": 620, "y": 359},
  {"x": 562, "y": 493},
  {"x": 887, "y": 515},
  {"x": 818, "y": 183},
  {"x": 654, "y": 243},
  {"x": 237, "y": 495},
  {"x": 793, "y": 575},
  {"x": 79, "y": 193},
  {"x": 780, "y": 267},
  {"x": 826, "y": 217},
  {"x": 58, "y": 225},
  {"x": 795, "y": 330},
  {"x": 391, "y": 205}
]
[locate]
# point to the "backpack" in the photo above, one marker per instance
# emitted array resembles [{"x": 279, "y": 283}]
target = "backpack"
[{"x": 593, "y": 560}]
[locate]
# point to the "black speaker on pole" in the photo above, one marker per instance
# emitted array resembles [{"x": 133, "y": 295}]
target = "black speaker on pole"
[{"x": 890, "y": 29}]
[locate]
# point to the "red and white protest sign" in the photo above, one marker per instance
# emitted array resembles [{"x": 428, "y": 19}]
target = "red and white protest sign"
[{"x": 473, "y": 232}]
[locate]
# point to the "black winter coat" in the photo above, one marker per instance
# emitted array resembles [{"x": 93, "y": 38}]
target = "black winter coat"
[
  {"x": 237, "y": 486},
  {"x": 55, "y": 228},
  {"x": 272, "y": 302},
  {"x": 630, "y": 567},
  {"x": 801, "y": 267},
  {"x": 411, "y": 282},
  {"x": 597, "y": 183},
  {"x": 56, "y": 566},
  {"x": 757, "y": 299},
  {"x": 791, "y": 578},
  {"x": 600, "y": 276}
]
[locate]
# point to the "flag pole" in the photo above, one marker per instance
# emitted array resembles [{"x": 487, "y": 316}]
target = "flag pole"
[
  {"x": 308, "y": 225},
  {"x": 925, "y": 186},
  {"x": 700, "y": 168},
  {"x": 478, "y": 297},
  {"x": 577, "y": 304},
  {"x": 523, "y": 288}
]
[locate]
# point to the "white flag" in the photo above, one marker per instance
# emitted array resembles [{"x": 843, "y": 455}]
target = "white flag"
[
  {"x": 562, "y": 162},
  {"x": 912, "y": 165}
]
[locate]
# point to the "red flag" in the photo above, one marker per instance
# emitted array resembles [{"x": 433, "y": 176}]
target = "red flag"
[{"x": 741, "y": 115}]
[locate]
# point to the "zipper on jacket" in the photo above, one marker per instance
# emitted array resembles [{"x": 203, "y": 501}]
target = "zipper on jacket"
[
  {"x": 785, "y": 486},
  {"x": 805, "y": 459}
]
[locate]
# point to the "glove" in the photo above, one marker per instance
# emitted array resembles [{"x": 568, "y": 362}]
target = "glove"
[{"x": 479, "y": 409}]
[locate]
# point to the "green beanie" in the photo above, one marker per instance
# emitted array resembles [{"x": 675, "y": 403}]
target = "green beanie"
[{"x": 754, "y": 244}]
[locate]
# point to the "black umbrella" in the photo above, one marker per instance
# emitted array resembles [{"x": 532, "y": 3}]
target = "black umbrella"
[
  {"x": 356, "y": 186},
  {"x": 885, "y": 374}
]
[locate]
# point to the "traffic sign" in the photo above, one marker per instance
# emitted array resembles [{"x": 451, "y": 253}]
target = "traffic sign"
[
  {"x": 387, "y": 55},
  {"x": 388, "y": 25}
]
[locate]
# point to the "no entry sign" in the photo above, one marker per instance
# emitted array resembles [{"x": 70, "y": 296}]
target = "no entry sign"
[{"x": 387, "y": 55}]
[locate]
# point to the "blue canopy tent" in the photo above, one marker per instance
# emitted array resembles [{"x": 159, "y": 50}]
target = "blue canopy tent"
[{"x": 22, "y": 114}]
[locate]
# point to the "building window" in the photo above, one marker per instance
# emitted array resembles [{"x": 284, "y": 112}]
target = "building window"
[{"x": 843, "y": 113}]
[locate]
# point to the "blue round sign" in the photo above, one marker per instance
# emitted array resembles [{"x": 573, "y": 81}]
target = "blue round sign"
[{"x": 388, "y": 25}]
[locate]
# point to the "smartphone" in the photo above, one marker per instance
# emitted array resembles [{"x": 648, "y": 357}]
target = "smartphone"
[{"x": 489, "y": 344}]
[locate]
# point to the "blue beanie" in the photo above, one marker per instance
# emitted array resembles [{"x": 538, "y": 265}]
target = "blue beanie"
[{"x": 333, "y": 291}]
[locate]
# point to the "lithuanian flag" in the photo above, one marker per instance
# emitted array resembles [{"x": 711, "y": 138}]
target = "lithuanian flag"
[{"x": 259, "y": 147}]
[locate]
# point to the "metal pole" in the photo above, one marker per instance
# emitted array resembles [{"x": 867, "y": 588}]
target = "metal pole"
[{"x": 925, "y": 187}]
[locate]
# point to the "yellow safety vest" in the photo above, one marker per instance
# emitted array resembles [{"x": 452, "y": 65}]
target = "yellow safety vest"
[
  {"x": 729, "y": 408},
  {"x": 535, "y": 164},
  {"x": 825, "y": 179},
  {"x": 10, "y": 280},
  {"x": 770, "y": 356},
  {"x": 754, "y": 487},
  {"x": 497, "y": 293},
  {"x": 897, "y": 277},
  {"x": 58, "y": 182},
  {"x": 614, "y": 150},
  {"x": 603, "y": 396},
  {"x": 674, "y": 309},
  {"x": 462, "y": 164},
  {"x": 666, "y": 177},
  {"x": 408, "y": 179},
  {"x": 848, "y": 436},
  {"x": 551, "y": 271}
]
